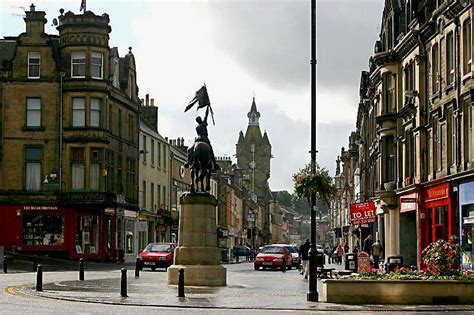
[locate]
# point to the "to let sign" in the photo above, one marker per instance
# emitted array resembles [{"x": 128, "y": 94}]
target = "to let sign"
[{"x": 363, "y": 213}]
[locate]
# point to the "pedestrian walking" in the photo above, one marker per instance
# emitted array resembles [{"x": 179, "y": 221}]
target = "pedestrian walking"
[
  {"x": 376, "y": 251},
  {"x": 340, "y": 253},
  {"x": 368, "y": 244},
  {"x": 304, "y": 256}
]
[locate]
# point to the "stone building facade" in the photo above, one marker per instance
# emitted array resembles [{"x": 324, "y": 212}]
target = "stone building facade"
[
  {"x": 69, "y": 147},
  {"x": 154, "y": 177},
  {"x": 414, "y": 128}
]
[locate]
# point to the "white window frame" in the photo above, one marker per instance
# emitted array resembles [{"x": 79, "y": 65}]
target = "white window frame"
[
  {"x": 32, "y": 56},
  {"x": 78, "y": 60},
  {"x": 96, "y": 65}
]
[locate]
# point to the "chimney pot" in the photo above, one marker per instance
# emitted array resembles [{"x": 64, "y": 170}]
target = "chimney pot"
[
  {"x": 152, "y": 102},
  {"x": 147, "y": 99}
]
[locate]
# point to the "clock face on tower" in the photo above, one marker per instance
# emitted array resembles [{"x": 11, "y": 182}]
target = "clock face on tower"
[{"x": 181, "y": 171}]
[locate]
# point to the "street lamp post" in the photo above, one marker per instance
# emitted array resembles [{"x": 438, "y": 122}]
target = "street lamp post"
[{"x": 312, "y": 295}]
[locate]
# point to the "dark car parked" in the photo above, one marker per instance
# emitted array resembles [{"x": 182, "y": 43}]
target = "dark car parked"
[{"x": 238, "y": 251}]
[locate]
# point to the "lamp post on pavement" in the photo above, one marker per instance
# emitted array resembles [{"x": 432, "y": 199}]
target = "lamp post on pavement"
[{"x": 312, "y": 295}]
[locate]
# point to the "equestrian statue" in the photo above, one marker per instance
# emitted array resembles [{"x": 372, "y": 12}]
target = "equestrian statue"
[{"x": 201, "y": 159}]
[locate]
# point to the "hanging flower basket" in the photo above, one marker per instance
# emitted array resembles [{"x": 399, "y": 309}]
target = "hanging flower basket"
[{"x": 320, "y": 182}]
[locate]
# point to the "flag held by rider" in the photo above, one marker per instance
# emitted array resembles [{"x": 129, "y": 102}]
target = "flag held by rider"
[{"x": 202, "y": 97}]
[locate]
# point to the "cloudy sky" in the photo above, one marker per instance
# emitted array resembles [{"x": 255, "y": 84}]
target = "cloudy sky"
[{"x": 240, "y": 48}]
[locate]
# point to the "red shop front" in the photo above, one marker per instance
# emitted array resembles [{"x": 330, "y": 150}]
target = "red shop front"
[
  {"x": 58, "y": 231},
  {"x": 437, "y": 215}
]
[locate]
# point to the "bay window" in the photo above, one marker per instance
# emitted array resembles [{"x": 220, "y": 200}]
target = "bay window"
[
  {"x": 96, "y": 65},
  {"x": 78, "y": 65},
  {"x": 96, "y": 112},
  {"x": 78, "y": 112}
]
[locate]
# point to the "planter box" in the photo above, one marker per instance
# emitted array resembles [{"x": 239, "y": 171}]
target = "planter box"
[{"x": 398, "y": 291}]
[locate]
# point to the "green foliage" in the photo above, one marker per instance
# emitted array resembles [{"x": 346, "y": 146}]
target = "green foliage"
[
  {"x": 283, "y": 197},
  {"x": 306, "y": 183}
]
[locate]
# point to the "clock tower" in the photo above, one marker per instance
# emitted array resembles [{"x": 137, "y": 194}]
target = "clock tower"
[{"x": 254, "y": 152}]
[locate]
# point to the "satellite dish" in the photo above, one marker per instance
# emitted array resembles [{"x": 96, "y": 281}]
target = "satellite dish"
[{"x": 55, "y": 22}]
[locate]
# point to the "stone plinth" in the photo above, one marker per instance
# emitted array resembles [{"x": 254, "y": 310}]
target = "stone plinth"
[{"x": 197, "y": 252}]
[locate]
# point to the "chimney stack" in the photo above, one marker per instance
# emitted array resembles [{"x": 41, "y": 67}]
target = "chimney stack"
[{"x": 147, "y": 100}]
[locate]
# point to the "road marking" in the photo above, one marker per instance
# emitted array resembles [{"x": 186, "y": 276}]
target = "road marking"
[{"x": 13, "y": 290}]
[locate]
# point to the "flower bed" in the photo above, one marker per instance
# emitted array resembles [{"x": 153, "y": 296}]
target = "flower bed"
[{"x": 365, "y": 291}]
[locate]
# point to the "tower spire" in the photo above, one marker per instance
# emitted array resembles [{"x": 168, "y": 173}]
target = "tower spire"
[{"x": 253, "y": 115}]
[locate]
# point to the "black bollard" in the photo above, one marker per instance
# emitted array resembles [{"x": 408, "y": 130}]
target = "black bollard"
[
  {"x": 181, "y": 282},
  {"x": 5, "y": 265},
  {"x": 123, "y": 284},
  {"x": 81, "y": 269},
  {"x": 39, "y": 278},
  {"x": 283, "y": 266},
  {"x": 35, "y": 263},
  {"x": 137, "y": 267}
]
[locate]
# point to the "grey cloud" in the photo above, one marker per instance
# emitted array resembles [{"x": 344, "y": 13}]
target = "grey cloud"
[{"x": 253, "y": 32}]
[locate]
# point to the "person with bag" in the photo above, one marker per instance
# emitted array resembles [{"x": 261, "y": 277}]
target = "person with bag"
[
  {"x": 304, "y": 257},
  {"x": 376, "y": 251}
]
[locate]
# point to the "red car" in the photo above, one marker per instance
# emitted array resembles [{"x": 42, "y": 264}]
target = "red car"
[
  {"x": 157, "y": 255},
  {"x": 273, "y": 256}
]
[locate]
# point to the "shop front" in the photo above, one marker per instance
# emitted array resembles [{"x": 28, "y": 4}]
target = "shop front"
[
  {"x": 436, "y": 216},
  {"x": 408, "y": 226},
  {"x": 68, "y": 232},
  {"x": 466, "y": 223}
]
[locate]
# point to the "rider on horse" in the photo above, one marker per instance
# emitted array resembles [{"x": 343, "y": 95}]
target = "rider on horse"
[{"x": 201, "y": 130}]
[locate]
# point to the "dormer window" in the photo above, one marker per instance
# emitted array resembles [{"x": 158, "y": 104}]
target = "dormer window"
[
  {"x": 34, "y": 63},
  {"x": 96, "y": 65},
  {"x": 78, "y": 65}
]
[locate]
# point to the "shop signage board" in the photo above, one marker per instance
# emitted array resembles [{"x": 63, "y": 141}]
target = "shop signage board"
[
  {"x": 40, "y": 208},
  {"x": 408, "y": 203},
  {"x": 437, "y": 192},
  {"x": 363, "y": 262},
  {"x": 363, "y": 213},
  {"x": 142, "y": 226}
]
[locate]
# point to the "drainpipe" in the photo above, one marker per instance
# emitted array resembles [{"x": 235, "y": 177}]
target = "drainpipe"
[
  {"x": 61, "y": 130},
  {"x": 458, "y": 93}
]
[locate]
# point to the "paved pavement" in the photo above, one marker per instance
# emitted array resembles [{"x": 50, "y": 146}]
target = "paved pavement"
[{"x": 247, "y": 289}]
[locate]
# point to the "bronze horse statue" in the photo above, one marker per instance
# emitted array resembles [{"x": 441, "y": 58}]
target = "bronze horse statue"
[{"x": 201, "y": 164}]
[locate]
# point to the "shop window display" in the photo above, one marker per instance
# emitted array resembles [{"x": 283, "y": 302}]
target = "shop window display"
[
  {"x": 43, "y": 229},
  {"x": 87, "y": 234}
]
